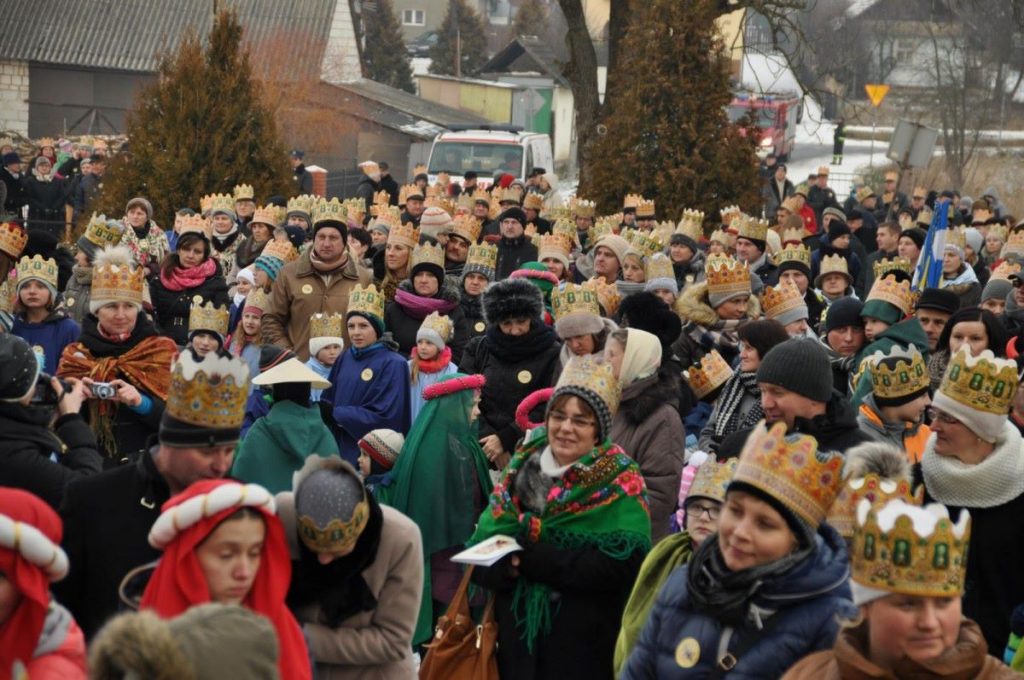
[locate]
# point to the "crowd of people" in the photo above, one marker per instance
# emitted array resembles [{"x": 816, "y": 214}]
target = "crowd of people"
[{"x": 258, "y": 442}]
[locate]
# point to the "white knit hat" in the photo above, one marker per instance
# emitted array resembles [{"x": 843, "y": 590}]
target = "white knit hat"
[{"x": 317, "y": 344}]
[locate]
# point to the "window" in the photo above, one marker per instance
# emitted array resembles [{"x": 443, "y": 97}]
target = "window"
[
  {"x": 414, "y": 17},
  {"x": 905, "y": 49}
]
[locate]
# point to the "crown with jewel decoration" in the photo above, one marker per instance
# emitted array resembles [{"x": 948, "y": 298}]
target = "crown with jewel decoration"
[
  {"x": 573, "y": 299},
  {"x": 607, "y": 295},
  {"x": 645, "y": 209},
  {"x": 302, "y": 204},
  {"x": 244, "y": 192},
  {"x": 218, "y": 202},
  {"x": 115, "y": 278},
  {"x": 602, "y": 228},
  {"x": 566, "y": 228},
  {"x": 876, "y": 490},
  {"x": 208, "y": 393},
  {"x": 1005, "y": 270},
  {"x": 533, "y": 201},
  {"x": 208, "y": 318},
  {"x": 282, "y": 250},
  {"x": 407, "y": 191},
  {"x": 13, "y": 239},
  {"x": 983, "y": 383},
  {"x": 791, "y": 470},
  {"x": 892, "y": 264},
  {"x": 1014, "y": 244},
  {"x": 783, "y": 298},
  {"x": 404, "y": 234},
  {"x": 381, "y": 197},
  {"x": 726, "y": 276},
  {"x": 195, "y": 224},
  {"x": 323, "y": 325},
  {"x": 439, "y": 201},
  {"x": 691, "y": 225},
  {"x": 102, "y": 232},
  {"x": 590, "y": 374},
  {"x": 795, "y": 253},
  {"x": 329, "y": 211},
  {"x": 553, "y": 246},
  {"x": 495, "y": 207},
  {"x": 903, "y": 548},
  {"x": 712, "y": 479},
  {"x": 366, "y": 300},
  {"x": 898, "y": 374},
  {"x": 752, "y": 228},
  {"x": 897, "y": 294},
  {"x": 467, "y": 227},
  {"x": 428, "y": 254},
  {"x": 632, "y": 201},
  {"x": 581, "y": 207},
  {"x": 709, "y": 374},
  {"x": 658, "y": 266},
  {"x": 257, "y": 299},
  {"x": 482, "y": 255},
  {"x": 265, "y": 215},
  {"x": 389, "y": 215},
  {"x": 355, "y": 208},
  {"x": 440, "y": 324},
  {"x": 956, "y": 238},
  {"x": 999, "y": 230},
  {"x": 643, "y": 243},
  {"x": 37, "y": 268}
]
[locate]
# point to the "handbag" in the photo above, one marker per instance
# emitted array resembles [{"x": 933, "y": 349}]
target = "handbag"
[{"x": 463, "y": 649}]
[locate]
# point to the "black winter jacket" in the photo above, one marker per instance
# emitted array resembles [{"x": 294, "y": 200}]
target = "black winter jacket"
[
  {"x": 171, "y": 308},
  {"x": 512, "y": 253},
  {"x": 403, "y": 327},
  {"x": 45, "y": 203}
]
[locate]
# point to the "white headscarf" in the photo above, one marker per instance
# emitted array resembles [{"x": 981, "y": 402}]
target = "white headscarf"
[{"x": 641, "y": 356}]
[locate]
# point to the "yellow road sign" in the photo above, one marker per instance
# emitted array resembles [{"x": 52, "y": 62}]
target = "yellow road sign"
[{"x": 876, "y": 93}]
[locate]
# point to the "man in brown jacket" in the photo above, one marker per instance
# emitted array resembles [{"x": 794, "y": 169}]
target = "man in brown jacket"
[{"x": 319, "y": 281}]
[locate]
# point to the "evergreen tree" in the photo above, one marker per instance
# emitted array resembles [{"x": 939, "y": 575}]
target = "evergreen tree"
[
  {"x": 201, "y": 127},
  {"x": 666, "y": 135},
  {"x": 472, "y": 39},
  {"x": 531, "y": 18},
  {"x": 385, "y": 57}
]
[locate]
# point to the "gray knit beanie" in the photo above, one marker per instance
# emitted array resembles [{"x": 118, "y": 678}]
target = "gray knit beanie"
[
  {"x": 799, "y": 365},
  {"x": 996, "y": 289}
]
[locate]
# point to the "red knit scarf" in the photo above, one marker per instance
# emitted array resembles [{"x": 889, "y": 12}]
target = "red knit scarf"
[
  {"x": 435, "y": 365},
  {"x": 184, "y": 278}
]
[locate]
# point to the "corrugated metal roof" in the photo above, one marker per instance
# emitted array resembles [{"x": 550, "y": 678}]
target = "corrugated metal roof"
[{"x": 130, "y": 35}]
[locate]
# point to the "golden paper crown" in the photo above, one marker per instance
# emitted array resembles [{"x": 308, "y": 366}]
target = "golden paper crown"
[
  {"x": 876, "y": 490},
  {"x": 982, "y": 383},
  {"x": 389, "y": 215},
  {"x": 443, "y": 180},
  {"x": 208, "y": 318},
  {"x": 726, "y": 275},
  {"x": 729, "y": 213},
  {"x": 115, "y": 278},
  {"x": 924, "y": 217},
  {"x": 442, "y": 325},
  {"x": 464, "y": 203},
  {"x": 783, "y": 298},
  {"x": 956, "y": 237},
  {"x": 467, "y": 227},
  {"x": 795, "y": 253},
  {"x": 566, "y": 228},
  {"x": 326, "y": 325},
  {"x": 407, "y": 190},
  {"x": 607, "y": 295},
  {"x": 428, "y": 254},
  {"x": 573, "y": 299},
  {"x": 632, "y": 201},
  {"x": 7, "y": 295},
  {"x": 834, "y": 264},
  {"x": 218, "y": 202},
  {"x": 329, "y": 211},
  {"x": 208, "y": 393},
  {"x": 691, "y": 225},
  {"x": 712, "y": 479},
  {"x": 483, "y": 255},
  {"x": 645, "y": 244},
  {"x": 792, "y": 236},
  {"x": 721, "y": 236},
  {"x": 601, "y": 229},
  {"x": 404, "y": 234},
  {"x": 37, "y": 268},
  {"x": 47, "y": 142},
  {"x": 645, "y": 208},
  {"x": 753, "y": 228},
  {"x": 266, "y": 215},
  {"x": 13, "y": 239},
  {"x": 902, "y": 548},
  {"x": 495, "y": 208},
  {"x": 244, "y": 192},
  {"x": 511, "y": 194},
  {"x": 1014, "y": 244},
  {"x": 1000, "y": 230},
  {"x": 282, "y": 250},
  {"x": 898, "y": 374},
  {"x": 356, "y": 208},
  {"x": 304, "y": 203},
  {"x": 258, "y": 298},
  {"x": 196, "y": 224},
  {"x": 1005, "y": 270},
  {"x": 381, "y": 197},
  {"x": 419, "y": 169},
  {"x": 442, "y": 202},
  {"x": 791, "y": 470},
  {"x": 281, "y": 213},
  {"x": 658, "y": 266},
  {"x": 886, "y": 265},
  {"x": 584, "y": 208},
  {"x": 533, "y": 201},
  {"x": 593, "y": 375},
  {"x": 366, "y": 301},
  {"x": 102, "y": 233},
  {"x": 711, "y": 373},
  {"x": 553, "y": 245},
  {"x": 888, "y": 290}
]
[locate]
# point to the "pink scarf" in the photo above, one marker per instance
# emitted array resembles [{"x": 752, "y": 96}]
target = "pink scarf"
[
  {"x": 185, "y": 278},
  {"x": 419, "y": 308}
]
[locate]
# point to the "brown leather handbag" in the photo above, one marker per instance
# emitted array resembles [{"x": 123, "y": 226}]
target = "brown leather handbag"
[{"x": 463, "y": 649}]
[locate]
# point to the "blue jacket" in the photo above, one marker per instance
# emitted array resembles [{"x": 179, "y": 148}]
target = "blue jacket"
[
  {"x": 53, "y": 335},
  {"x": 807, "y": 599}
]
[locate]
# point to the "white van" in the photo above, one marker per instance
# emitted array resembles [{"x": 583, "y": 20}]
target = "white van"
[{"x": 489, "y": 149}]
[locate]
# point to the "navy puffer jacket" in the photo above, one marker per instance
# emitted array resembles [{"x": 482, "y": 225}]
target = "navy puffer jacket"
[{"x": 806, "y": 599}]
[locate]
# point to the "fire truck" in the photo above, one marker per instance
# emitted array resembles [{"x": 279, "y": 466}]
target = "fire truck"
[{"x": 775, "y": 118}]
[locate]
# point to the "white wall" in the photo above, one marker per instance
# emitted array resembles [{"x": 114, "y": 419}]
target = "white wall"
[{"x": 14, "y": 96}]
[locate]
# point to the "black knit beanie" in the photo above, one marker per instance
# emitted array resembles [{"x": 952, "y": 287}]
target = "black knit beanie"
[
  {"x": 836, "y": 228},
  {"x": 799, "y": 365},
  {"x": 844, "y": 312}
]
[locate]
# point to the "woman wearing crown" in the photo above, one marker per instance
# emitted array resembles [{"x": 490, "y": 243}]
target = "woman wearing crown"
[
  {"x": 397, "y": 255},
  {"x": 261, "y": 230}
]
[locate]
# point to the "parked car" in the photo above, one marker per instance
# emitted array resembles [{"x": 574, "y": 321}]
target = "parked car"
[{"x": 421, "y": 44}]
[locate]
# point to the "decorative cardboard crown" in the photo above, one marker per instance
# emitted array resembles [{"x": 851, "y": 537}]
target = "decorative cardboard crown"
[
  {"x": 645, "y": 208},
  {"x": 898, "y": 294},
  {"x": 464, "y": 203},
  {"x": 467, "y": 227},
  {"x": 282, "y": 250},
  {"x": 218, "y": 202},
  {"x": 834, "y": 264},
  {"x": 924, "y": 217},
  {"x": 407, "y": 190},
  {"x": 691, "y": 224},
  {"x": 726, "y": 275},
  {"x": 438, "y": 201},
  {"x": 258, "y": 298},
  {"x": 566, "y": 228},
  {"x": 793, "y": 237},
  {"x": 795, "y": 253},
  {"x": 13, "y": 239},
  {"x": 244, "y": 192},
  {"x": 442, "y": 325},
  {"x": 495, "y": 207},
  {"x": 658, "y": 266},
  {"x": 729, "y": 213},
  {"x": 573, "y": 299},
  {"x": 117, "y": 282},
  {"x": 783, "y": 298},
  {"x": 47, "y": 142},
  {"x": 607, "y": 295},
  {"x": 1005, "y": 270},
  {"x": 419, "y": 169},
  {"x": 581, "y": 207},
  {"x": 509, "y": 195},
  {"x": 483, "y": 255},
  {"x": 103, "y": 233},
  {"x": 356, "y": 209},
  {"x": 791, "y": 470},
  {"x": 982, "y": 383},
  {"x": 712, "y": 479},
  {"x": 326, "y": 325},
  {"x": 956, "y": 238},
  {"x": 381, "y": 197},
  {"x": 404, "y": 234},
  {"x": 533, "y": 201},
  {"x": 632, "y": 201},
  {"x": 902, "y": 548},
  {"x": 553, "y": 245},
  {"x": 196, "y": 224},
  {"x": 876, "y": 490},
  {"x": 367, "y": 300},
  {"x": 329, "y": 211},
  {"x": 389, "y": 215},
  {"x": 721, "y": 236},
  {"x": 592, "y": 375},
  {"x": 753, "y": 228},
  {"x": 282, "y": 214},
  {"x": 900, "y": 373},
  {"x": 304, "y": 203},
  {"x": 733, "y": 226},
  {"x": 208, "y": 318},
  {"x": 210, "y": 392},
  {"x": 711, "y": 373},
  {"x": 1000, "y": 230},
  {"x": 7, "y": 295},
  {"x": 37, "y": 268},
  {"x": 892, "y": 264},
  {"x": 1014, "y": 244},
  {"x": 428, "y": 254},
  {"x": 643, "y": 243},
  {"x": 265, "y": 215}
]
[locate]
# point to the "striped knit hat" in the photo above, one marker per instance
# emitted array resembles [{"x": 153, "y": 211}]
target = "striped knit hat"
[
  {"x": 269, "y": 264},
  {"x": 382, "y": 446}
]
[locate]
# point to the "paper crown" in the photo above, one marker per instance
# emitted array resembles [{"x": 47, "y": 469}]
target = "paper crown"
[
  {"x": 428, "y": 254},
  {"x": 483, "y": 255},
  {"x": 897, "y": 264},
  {"x": 645, "y": 208},
  {"x": 658, "y": 266},
  {"x": 37, "y": 268},
  {"x": 304, "y": 203},
  {"x": 999, "y": 230},
  {"x": 584, "y": 208},
  {"x": 208, "y": 393},
  {"x": 509, "y": 195},
  {"x": 467, "y": 227},
  {"x": 7, "y": 295},
  {"x": 407, "y": 191},
  {"x": 564, "y": 227},
  {"x": 601, "y": 229},
  {"x": 323, "y": 325},
  {"x": 834, "y": 264},
  {"x": 722, "y": 237},
  {"x": 47, "y": 142},
  {"x": 902, "y": 548},
  {"x": 726, "y": 275},
  {"x": 632, "y": 201},
  {"x": 404, "y": 234},
  {"x": 102, "y": 232},
  {"x": 389, "y": 215},
  {"x": 244, "y": 192},
  {"x": 791, "y": 470},
  {"x": 876, "y": 490},
  {"x": 1005, "y": 270},
  {"x": 356, "y": 208},
  {"x": 592, "y": 375},
  {"x": 956, "y": 238},
  {"x": 119, "y": 280},
  {"x": 1014, "y": 244},
  {"x": 729, "y": 213},
  {"x": 437, "y": 201},
  {"x": 607, "y": 295},
  {"x": 419, "y": 169},
  {"x": 280, "y": 213},
  {"x": 982, "y": 383},
  {"x": 366, "y": 300},
  {"x": 329, "y": 211},
  {"x": 464, "y": 203},
  {"x": 645, "y": 244},
  {"x": 282, "y": 250},
  {"x": 195, "y": 224},
  {"x": 573, "y": 299},
  {"x": 900, "y": 373},
  {"x": 753, "y": 228},
  {"x": 265, "y": 215},
  {"x": 533, "y": 201},
  {"x": 553, "y": 245},
  {"x": 442, "y": 325},
  {"x": 212, "y": 202},
  {"x": 783, "y": 298},
  {"x": 898, "y": 294},
  {"x": 795, "y": 253},
  {"x": 13, "y": 239},
  {"x": 208, "y": 318},
  {"x": 793, "y": 237},
  {"x": 707, "y": 376},
  {"x": 258, "y": 298},
  {"x": 712, "y": 479},
  {"x": 691, "y": 224},
  {"x": 381, "y": 197}
]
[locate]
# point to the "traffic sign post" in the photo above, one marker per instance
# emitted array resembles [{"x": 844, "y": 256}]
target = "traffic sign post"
[{"x": 876, "y": 93}]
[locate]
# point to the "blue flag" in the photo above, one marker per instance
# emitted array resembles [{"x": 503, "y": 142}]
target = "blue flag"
[{"x": 929, "y": 264}]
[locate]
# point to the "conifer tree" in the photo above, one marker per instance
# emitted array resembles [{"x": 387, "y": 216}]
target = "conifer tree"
[
  {"x": 201, "y": 127},
  {"x": 666, "y": 134},
  {"x": 385, "y": 57},
  {"x": 531, "y": 18},
  {"x": 472, "y": 39}
]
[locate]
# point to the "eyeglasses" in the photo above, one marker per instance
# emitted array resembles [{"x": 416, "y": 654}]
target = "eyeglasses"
[
  {"x": 698, "y": 510},
  {"x": 935, "y": 415},
  {"x": 557, "y": 418}
]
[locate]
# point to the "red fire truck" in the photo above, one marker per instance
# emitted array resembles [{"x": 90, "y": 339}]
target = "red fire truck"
[{"x": 775, "y": 118}]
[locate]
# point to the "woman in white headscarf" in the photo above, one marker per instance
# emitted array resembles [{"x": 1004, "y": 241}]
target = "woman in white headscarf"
[{"x": 648, "y": 426}]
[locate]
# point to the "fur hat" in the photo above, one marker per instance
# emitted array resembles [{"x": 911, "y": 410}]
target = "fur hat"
[
  {"x": 879, "y": 458},
  {"x": 512, "y": 299}
]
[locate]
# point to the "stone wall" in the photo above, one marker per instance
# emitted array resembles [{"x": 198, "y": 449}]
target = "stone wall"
[{"x": 14, "y": 96}]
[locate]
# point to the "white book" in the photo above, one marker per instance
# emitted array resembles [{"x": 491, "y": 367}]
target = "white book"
[{"x": 488, "y": 552}]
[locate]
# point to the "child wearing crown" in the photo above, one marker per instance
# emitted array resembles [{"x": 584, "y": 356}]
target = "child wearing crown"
[
  {"x": 430, "y": 361},
  {"x": 36, "y": 319},
  {"x": 326, "y": 342}
]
